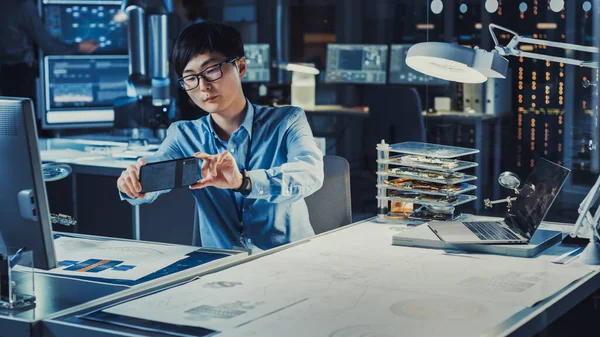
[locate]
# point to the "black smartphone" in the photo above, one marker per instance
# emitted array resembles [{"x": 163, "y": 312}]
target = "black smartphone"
[{"x": 166, "y": 175}]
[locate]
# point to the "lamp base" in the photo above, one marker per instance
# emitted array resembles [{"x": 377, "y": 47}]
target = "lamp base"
[{"x": 591, "y": 254}]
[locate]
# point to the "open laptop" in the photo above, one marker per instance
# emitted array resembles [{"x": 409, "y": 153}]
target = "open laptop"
[{"x": 526, "y": 213}]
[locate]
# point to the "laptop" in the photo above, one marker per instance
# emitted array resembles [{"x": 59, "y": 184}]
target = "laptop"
[{"x": 525, "y": 216}]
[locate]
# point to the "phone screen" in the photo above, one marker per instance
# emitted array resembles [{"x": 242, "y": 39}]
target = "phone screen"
[{"x": 169, "y": 174}]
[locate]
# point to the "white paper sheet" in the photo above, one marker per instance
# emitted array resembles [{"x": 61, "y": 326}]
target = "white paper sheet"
[
  {"x": 355, "y": 282},
  {"x": 138, "y": 259},
  {"x": 381, "y": 313},
  {"x": 214, "y": 305}
]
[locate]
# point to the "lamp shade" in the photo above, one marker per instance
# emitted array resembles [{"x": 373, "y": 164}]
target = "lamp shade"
[{"x": 455, "y": 63}]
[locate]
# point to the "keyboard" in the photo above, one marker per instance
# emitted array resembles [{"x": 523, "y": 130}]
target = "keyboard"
[{"x": 490, "y": 231}]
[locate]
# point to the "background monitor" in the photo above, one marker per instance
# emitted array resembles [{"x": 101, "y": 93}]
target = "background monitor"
[
  {"x": 400, "y": 73},
  {"x": 25, "y": 216},
  {"x": 356, "y": 63},
  {"x": 257, "y": 60},
  {"x": 73, "y": 23},
  {"x": 81, "y": 90}
]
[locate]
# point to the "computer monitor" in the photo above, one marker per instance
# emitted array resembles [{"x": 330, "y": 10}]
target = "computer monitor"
[
  {"x": 257, "y": 61},
  {"x": 73, "y": 23},
  {"x": 400, "y": 73},
  {"x": 356, "y": 63},
  {"x": 79, "y": 91},
  {"x": 25, "y": 216}
]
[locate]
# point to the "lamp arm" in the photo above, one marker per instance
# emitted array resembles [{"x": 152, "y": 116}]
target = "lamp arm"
[
  {"x": 584, "y": 207},
  {"x": 494, "y": 26},
  {"x": 543, "y": 57},
  {"x": 511, "y": 48},
  {"x": 554, "y": 44}
]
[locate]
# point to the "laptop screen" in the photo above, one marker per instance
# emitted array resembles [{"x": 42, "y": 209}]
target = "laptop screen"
[{"x": 544, "y": 183}]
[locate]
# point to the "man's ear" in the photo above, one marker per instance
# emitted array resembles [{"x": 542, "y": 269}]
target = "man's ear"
[{"x": 241, "y": 64}]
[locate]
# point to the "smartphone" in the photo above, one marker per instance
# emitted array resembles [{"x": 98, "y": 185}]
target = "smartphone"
[{"x": 170, "y": 174}]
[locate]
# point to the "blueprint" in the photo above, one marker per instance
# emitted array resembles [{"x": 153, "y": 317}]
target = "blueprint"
[
  {"x": 210, "y": 303},
  {"x": 354, "y": 282},
  {"x": 114, "y": 259}
]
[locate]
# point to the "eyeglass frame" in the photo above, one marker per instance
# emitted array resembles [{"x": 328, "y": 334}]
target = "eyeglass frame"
[{"x": 201, "y": 74}]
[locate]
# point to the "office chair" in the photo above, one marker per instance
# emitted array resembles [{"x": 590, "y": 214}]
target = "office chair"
[
  {"x": 330, "y": 207},
  {"x": 395, "y": 115}
]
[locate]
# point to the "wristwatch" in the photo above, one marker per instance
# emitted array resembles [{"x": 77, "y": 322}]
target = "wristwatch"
[{"x": 243, "y": 189}]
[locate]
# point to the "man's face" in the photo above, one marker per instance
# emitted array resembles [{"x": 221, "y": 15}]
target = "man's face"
[{"x": 216, "y": 96}]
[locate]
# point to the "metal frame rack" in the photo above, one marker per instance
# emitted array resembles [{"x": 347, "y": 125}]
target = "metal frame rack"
[{"x": 424, "y": 174}]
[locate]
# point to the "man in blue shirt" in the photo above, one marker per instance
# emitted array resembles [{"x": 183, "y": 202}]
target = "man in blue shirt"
[{"x": 258, "y": 163}]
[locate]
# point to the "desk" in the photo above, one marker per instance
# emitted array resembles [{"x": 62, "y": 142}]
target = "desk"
[
  {"x": 347, "y": 296},
  {"x": 56, "y": 293},
  {"x": 483, "y": 124}
]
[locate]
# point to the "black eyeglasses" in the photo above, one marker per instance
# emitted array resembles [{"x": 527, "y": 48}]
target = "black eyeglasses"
[{"x": 209, "y": 74}]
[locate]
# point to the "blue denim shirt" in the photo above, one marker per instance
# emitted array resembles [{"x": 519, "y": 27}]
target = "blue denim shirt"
[{"x": 284, "y": 165}]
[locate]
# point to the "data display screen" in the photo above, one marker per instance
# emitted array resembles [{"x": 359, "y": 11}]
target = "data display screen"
[
  {"x": 76, "y": 23},
  {"x": 347, "y": 63},
  {"x": 86, "y": 81},
  {"x": 257, "y": 61},
  {"x": 400, "y": 73}
]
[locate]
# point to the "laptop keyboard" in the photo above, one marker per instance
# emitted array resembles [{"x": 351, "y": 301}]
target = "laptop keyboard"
[{"x": 490, "y": 231}]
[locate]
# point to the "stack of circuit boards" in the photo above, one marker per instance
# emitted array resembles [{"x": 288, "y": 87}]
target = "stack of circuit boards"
[{"x": 427, "y": 175}]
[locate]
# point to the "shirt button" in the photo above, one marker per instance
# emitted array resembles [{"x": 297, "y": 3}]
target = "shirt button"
[
  {"x": 261, "y": 192},
  {"x": 232, "y": 150}
]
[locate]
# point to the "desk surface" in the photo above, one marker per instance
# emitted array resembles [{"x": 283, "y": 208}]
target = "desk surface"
[
  {"x": 460, "y": 116},
  {"x": 56, "y": 294},
  {"x": 353, "y": 282}
]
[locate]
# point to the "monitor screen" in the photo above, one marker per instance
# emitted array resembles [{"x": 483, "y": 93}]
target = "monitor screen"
[
  {"x": 76, "y": 23},
  {"x": 537, "y": 195},
  {"x": 257, "y": 60},
  {"x": 356, "y": 63},
  {"x": 400, "y": 73},
  {"x": 25, "y": 216},
  {"x": 83, "y": 88}
]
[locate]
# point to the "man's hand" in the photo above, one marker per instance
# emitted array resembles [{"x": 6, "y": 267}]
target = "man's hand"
[
  {"x": 219, "y": 170},
  {"x": 129, "y": 181},
  {"x": 88, "y": 46}
]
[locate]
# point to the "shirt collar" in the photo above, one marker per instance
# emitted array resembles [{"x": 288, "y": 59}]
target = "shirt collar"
[{"x": 246, "y": 124}]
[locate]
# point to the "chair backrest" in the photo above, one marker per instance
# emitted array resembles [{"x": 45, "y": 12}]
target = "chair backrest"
[{"x": 330, "y": 207}]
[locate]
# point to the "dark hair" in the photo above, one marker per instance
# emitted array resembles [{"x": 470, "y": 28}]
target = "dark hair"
[
  {"x": 206, "y": 37},
  {"x": 195, "y": 9}
]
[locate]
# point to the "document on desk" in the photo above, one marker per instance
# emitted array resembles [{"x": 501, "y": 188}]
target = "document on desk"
[
  {"x": 355, "y": 282},
  {"x": 210, "y": 303},
  {"x": 114, "y": 259},
  {"x": 375, "y": 312}
]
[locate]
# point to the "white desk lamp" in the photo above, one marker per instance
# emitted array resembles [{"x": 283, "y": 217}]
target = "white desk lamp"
[
  {"x": 473, "y": 65},
  {"x": 461, "y": 64},
  {"x": 591, "y": 253},
  {"x": 303, "y": 84}
]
